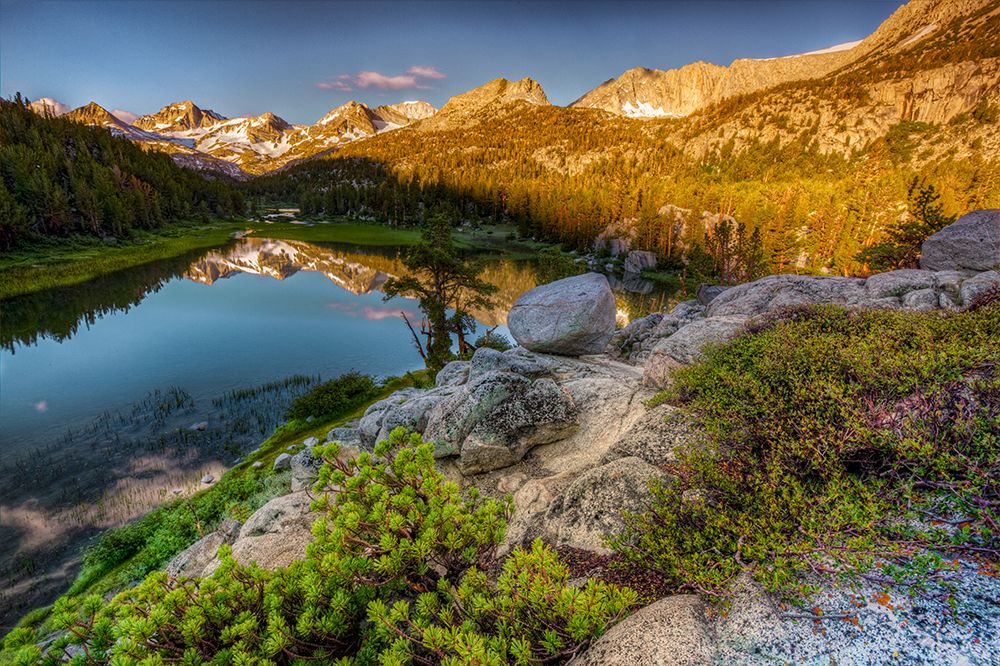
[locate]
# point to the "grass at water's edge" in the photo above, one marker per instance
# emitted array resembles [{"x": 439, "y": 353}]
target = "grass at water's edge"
[
  {"x": 227, "y": 496},
  {"x": 50, "y": 263}
]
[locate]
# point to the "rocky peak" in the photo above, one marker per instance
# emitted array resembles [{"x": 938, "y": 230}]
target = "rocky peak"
[
  {"x": 405, "y": 113},
  {"x": 93, "y": 113},
  {"x": 350, "y": 110},
  {"x": 499, "y": 95},
  {"x": 178, "y": 117}
]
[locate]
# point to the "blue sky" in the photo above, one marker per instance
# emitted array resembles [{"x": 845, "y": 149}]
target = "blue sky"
[{"x": 300, "y": 59}]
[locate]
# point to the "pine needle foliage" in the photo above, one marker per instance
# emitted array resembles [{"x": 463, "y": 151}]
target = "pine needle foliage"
[{"x": 394, "y": 535}]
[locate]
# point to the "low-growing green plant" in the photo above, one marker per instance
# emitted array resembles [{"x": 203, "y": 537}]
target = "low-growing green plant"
[
  {"x": 395, "y": 532},
  {"x": 528, "y": 616},
  {"x": 334, "y": 398},
  {"x": 837, "y": 443}
]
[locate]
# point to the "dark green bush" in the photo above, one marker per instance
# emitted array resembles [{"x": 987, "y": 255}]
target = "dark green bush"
[
  {"x": 334, "y": 398},
  {"x": 396, "y": 534},
  {"x": 494, "y": 341},
  {"x": 834, "y": 441}
]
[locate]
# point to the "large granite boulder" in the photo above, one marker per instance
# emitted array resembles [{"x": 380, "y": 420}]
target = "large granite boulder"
[
  {"x": 970, "y": 244},
  {"x": 673, "y": 631},
  {"x": 571, "y": 317}
]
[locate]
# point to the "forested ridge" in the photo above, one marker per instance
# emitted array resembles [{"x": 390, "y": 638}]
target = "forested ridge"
[
  {"x": 59, "y": 177},
  {"x": 568, "y": 174}
]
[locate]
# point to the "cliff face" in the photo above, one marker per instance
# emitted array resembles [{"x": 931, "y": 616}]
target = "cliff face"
[{"x": 675, "y": 93}]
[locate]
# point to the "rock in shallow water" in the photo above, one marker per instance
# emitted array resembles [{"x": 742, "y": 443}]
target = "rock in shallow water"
[{"x": 571, "y": 317}]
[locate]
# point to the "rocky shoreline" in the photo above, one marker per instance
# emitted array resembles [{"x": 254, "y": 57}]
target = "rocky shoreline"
[{"x": 561, "y": 424}]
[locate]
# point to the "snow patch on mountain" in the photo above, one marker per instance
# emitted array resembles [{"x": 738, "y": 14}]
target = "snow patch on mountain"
[{"x": 645, "y": 110}]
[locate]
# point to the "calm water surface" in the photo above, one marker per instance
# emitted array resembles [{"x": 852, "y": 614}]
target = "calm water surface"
[{"x": 100, "y": 383}]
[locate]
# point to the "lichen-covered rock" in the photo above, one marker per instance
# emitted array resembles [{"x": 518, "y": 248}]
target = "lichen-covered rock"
[
  {"x": 655, "y": 437},
  {"x": 571, "y": 317},
  {"x": 371, "y": 421},
  {"x": 451, "y": 421},
  {"x": 590, "y": 509},
  {"x": 520, "y": 361},
  {"x": 972, "y": 243},
  {"x": 673, "y": 631},
  {"x": 778, "y": 291},
  {"x": 497, "y": 418},
  {"x": 347, "y": 436},
  {"x": 413, "y": 412},
  {"x": 542, "y": 414},
  {"x": 454, "y": 373}
]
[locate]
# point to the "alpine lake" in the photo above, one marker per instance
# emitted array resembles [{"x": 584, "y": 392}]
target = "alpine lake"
[{"x": 124, "y": 392}]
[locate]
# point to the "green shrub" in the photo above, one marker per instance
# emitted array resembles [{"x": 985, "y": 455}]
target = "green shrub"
[
  {"x": 493, "y": 341},
  {"x": 395, "y": 534},
  {"x": 529, "y": 616},
  {"x": 834, "y": 441},
  {"x": 333, "y": 398}
]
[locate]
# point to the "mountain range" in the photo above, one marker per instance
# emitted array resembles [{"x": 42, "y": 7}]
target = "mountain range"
[{"x": 931, "y": 61}]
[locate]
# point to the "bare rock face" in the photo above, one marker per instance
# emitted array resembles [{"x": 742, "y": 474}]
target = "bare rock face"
[
  {"x": 970, "y": 244},
  {"x": 685, "y": 346},
  {"x": 654, "y": 437},
  {"x": 570, "y": 317},
  {"x": 275, "y": 535},
  {"x": 194, "y": 559},
  {"x": 590, "y": 509},
  {"x": 671, "y": 632}
]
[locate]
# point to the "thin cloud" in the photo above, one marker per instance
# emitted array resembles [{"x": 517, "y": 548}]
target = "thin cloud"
[
  {"x": 125, "y": 116},
  {"x": 411, "y": 80},
  {"x": 376, "y": 80},
  {"x": 425, "y": 72},
  {"x": 334, "y": 85}
]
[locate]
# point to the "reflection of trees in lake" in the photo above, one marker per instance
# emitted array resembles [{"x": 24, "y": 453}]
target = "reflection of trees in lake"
[{"x": 58, "y": 313}]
